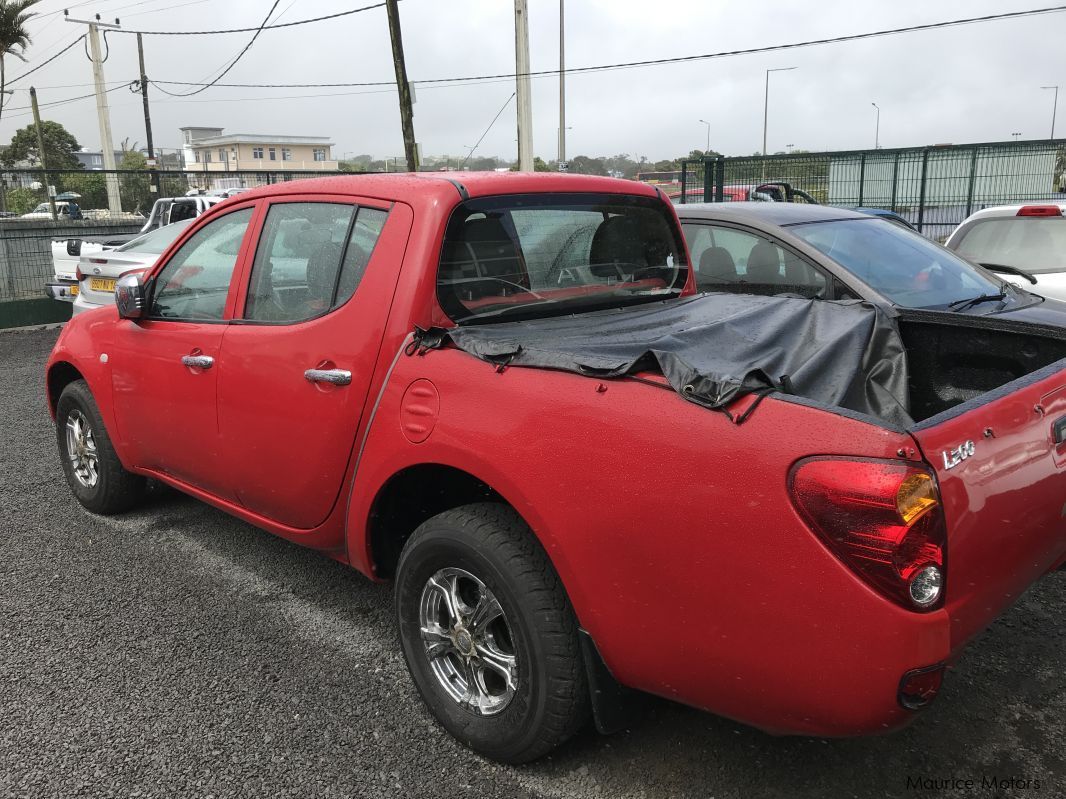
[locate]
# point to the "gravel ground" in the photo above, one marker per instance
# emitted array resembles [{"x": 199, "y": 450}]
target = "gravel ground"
[{"x": 176, "y": 651}]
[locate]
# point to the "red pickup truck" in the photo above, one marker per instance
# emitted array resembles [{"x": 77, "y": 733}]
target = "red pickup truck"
[{"x": 502, "y": 393}]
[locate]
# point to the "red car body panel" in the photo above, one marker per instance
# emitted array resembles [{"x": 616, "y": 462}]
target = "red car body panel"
[{"x": 671, "y": 527}]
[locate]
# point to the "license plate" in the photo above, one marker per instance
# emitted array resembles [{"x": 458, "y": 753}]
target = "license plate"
[
  {"x": 101, "y": 284},
  {"x": 73, "y": 290}
]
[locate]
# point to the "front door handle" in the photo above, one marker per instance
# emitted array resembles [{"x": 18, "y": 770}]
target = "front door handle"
[
  {"x": 198, "y": 361},
  {"x": 336, "y": 377}
]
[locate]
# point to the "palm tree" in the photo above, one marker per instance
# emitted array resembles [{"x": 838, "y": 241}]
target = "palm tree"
[{"x": 13, "y": 36}]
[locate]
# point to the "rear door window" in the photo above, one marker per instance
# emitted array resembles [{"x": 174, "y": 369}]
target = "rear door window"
[
  {"x": 310, "y": 260},
  {"x": 743, "y": 262}
]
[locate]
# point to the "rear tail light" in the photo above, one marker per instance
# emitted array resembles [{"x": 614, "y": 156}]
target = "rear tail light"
[
  {"x": 138, "y": 271},
  {"x": 78, "y": 274},
  {"x": 919, "y": 688},
  {"x": 882, "y": 519},
  {"x": 1039, "y": 210}
]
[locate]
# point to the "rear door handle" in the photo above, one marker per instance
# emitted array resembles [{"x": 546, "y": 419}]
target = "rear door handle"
[
  {"x": 1058, "y": 430},
  {"x": 198, "y": 361},
  {"x": 336, "y": 377}
]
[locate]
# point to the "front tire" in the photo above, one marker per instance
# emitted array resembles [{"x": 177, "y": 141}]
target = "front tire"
[
  {"x": 488, "y": 633},
  {"x": 96, "y": 476}
]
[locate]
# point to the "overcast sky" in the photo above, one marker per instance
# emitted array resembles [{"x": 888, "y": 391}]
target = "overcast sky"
[{"x": 966, "y": 84}]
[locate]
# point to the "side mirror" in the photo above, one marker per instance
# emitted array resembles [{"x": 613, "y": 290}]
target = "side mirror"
[{"x": 130, "y": 296}]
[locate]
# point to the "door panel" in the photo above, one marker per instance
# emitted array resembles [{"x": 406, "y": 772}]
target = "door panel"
[
  {"x": 287, "y": 439},
  {"x": 164, "y": 368},
  {"x": 166, "y": 409}
]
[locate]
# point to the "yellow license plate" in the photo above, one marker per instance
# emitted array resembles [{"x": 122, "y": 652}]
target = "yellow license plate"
[
  {"x": 101, "y": 284},
  {"x": 73, "y": 290}
]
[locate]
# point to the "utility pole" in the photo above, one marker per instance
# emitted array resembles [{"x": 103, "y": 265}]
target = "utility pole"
[
  {"x": 40, "y": 152},
  {"x": 877, "y": 127},
  {"x": 404, "y": 88},
  {"x": 525, "y": 99},
  {"x": 562, "y": 90},
  {"x": 114, "y": 201},
  {"x": 147, "y": 115},
  {"x": 1054, "y": 108},
  {"x": 766, "y": 114}
]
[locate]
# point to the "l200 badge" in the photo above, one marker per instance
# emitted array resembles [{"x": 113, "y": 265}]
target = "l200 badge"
[{"x": 954, "y": 457}]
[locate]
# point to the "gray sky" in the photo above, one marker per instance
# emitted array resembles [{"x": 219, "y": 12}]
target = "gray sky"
[{"x": 965, "y": 84}]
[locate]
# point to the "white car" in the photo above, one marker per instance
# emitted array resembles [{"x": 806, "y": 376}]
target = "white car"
[
  {"x": 98, "y": 272},
  {"x": 67, "y": 253},
  {"x": 1026, "y": 244}
]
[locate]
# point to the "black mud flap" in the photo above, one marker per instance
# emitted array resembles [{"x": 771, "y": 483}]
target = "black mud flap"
[{"x": 614, "y": 706}]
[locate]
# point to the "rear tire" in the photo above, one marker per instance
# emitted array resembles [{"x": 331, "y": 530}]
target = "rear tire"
[
  {"x": 467, "y": 559},
  {"x": 96, "y": 476}
]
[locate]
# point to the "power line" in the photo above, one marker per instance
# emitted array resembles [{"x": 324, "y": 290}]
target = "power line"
[
  {"x": 232, "y": 63},
  {"x": 46, "y": 63},
  {"x": 263, "y": 28},
  {"x": 477, "y": 144},
  {"x": 651, "y": 62}
]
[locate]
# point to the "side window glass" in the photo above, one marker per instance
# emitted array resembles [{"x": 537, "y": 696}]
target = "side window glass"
[
  {"x": 310, "y": 260},
  {"x": 365, "y": 233},
  {"x": 195, "y": 282},
  {"x": 746, "y": 263}
]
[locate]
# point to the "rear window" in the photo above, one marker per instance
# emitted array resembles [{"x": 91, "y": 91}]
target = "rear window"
[
  {"x": 1034, "y": 244},
  {"x": 539, "y": 255},
  {"x": 155, "y": 242}
]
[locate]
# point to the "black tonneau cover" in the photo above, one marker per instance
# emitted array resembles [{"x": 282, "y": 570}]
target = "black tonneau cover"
[{"x": 713, "y": 348}]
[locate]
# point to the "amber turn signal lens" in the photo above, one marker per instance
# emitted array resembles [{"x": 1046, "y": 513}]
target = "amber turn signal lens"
[{"x": 916, "y": 495}]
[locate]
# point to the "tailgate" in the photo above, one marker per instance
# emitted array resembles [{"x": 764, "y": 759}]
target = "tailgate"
[{"x": 1001, "y": 463}]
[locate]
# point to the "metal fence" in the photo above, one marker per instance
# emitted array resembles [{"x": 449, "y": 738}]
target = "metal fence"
[
  {"x": 23, "y": 190},
  {"x": 28, "y": 249},
  {"x": 934, "y": 188}
]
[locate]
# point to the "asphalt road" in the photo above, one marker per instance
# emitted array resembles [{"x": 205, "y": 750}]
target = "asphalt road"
[{"x": 175, "y": 651}]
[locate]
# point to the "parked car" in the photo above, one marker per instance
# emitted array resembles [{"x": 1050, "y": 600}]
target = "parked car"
[
  {"x": 1012, "y": 238},
  {"x": 67, "y": 253},
  {"x": 831, "y": 253},
  {"x": 98, "y": 273},
  {"x": 502, "y": 392},
  {"x": 886, "y": 214}
]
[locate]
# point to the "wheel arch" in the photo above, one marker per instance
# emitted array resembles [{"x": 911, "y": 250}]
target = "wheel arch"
[
  {"x": 411, "y": 496},
  {"x": 60, "y": 375}
]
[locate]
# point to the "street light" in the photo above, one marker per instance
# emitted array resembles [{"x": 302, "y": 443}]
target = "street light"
[
  {"x": 708, "y": 124},
  {"x": 877, "y": 127},
  {"x": 1054, "y": 108},
  {"x": 1016, "y": 135},
  {"x": 766, "y": 103},
  {"x": 789, "y": 148}
]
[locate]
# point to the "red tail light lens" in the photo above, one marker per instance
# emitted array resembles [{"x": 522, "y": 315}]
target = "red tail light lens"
[
  {"x": 1039, "y": 210},
  {"x": 882, "y": 519},
  {"x": 78, "y": 274}
]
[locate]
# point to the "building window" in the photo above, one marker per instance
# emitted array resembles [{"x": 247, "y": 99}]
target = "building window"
[
  {"x": 98, "y": 161},
  {"x": 286, "y": 154},
  {"x": 207, "y": 156},
  {"x": 320, "y": 154},
  {"x": 257, "y": 152},
  {"x": 273, "y": 153},
  {"x": 222, "y": 155},
  {"x": 196, "y": 155}
]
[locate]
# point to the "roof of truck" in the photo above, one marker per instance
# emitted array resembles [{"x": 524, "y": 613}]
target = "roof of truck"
[{"x": 404, "y": 185}]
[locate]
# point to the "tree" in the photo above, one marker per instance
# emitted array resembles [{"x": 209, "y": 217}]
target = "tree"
[
  {"x": 22, "y": 201},
  {"x": 540, "y": 165},
  {"x": 136, "y": 190},
  {"x": 90, "y": 185},
  {"x": 59, "y": 145},
  {"x": 583, "y": 165},
  {"x": 13, "y": 36}
]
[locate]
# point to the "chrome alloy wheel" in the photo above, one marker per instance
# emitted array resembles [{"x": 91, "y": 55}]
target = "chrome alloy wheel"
[
  {"x": 81, "y": 449},
  {"x": 468, "y": 642}
]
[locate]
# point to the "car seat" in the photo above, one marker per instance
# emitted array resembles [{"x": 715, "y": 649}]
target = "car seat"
[
  {"x": 764, "y": 264},
  {"x": 716, "y": 264}
]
